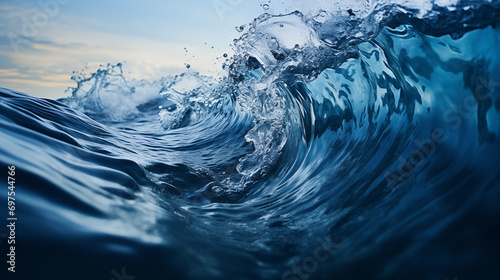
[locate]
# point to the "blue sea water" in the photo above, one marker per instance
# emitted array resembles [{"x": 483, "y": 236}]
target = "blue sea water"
[{"x": 360, "y": 144}]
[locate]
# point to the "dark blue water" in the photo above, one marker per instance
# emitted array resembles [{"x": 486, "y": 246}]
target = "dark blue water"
[{"x": 344, "y": 146}]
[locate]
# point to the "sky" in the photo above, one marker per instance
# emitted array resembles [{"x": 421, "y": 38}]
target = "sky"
[{"x": 43, "y": 42}]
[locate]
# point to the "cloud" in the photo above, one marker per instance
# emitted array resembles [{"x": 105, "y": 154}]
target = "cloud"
[
  {"x": 81, "y": 35},
  {"x": 38, "y": 83},
  {"x": 12, "y": 73},
  {"x": 13, "y": 15}
]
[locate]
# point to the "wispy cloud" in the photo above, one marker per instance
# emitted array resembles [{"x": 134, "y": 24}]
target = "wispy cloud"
[
  {"x": 40, "y": 83},
  {"x": 150, "y": 37},
  {"x": 12, "y": 73}
]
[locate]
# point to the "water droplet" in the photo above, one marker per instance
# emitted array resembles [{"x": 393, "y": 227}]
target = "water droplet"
[
  {"x": 265, "y": 7},
  {"x": 224, "y": 55},
  {"x": 240, "y": 28},
  {"x": 188, "y": 66}
]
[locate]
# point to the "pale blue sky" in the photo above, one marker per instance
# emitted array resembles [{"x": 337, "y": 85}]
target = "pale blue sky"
[{"x": 43, "y": 42}]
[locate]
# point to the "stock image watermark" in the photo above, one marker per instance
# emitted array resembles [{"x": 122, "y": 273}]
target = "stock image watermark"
[
  {"x": 407, "y": 166},
  {"x": 121, "y": 276},
  {"x": 222, "y": 7},
  {"x": 462, "y": 111},
  {"x": 311, "y": 263},
  {"x": 11, "y": 219},
  {"x": 47, "y": 9},
  {"x": 455, "y": 117}
]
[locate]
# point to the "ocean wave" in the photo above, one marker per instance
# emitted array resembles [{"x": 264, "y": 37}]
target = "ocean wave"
[{"x": 368, "y": 131}]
